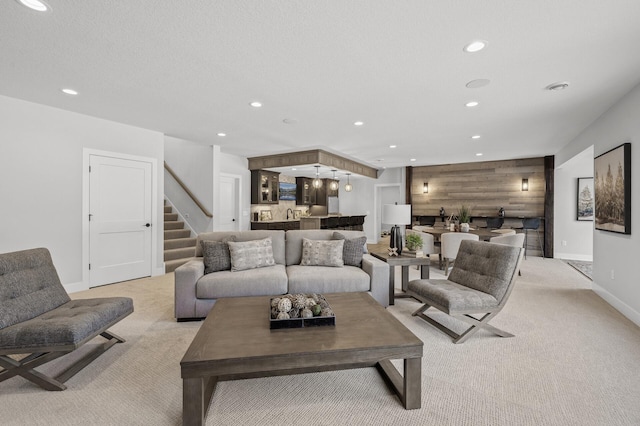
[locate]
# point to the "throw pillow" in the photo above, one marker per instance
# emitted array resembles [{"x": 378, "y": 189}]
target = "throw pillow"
[
  {"x": 215, "y": 255},
  {"x": 353, "y": 249},
  {"x": 251, "y": 254},
  {"x": 322, "y": 252}
]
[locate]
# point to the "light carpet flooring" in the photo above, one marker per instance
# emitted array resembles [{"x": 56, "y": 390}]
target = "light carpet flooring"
[{"x": 574, "y": 361}]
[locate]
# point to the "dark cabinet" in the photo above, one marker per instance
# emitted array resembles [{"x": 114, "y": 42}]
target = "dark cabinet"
[
  {"x": 264, "y": 187},
  {"x": 307, "y": 195},
  {"x": 284, "y": 226}
]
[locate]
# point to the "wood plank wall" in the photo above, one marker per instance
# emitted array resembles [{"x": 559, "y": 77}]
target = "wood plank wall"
[{"x": 485, "y": 186}]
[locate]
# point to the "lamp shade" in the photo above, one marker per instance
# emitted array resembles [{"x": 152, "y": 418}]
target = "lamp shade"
[{"x": 396, "y": 214}]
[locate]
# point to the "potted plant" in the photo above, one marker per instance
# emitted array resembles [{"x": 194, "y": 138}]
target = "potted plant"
[
  {"x": 464, "y": 217},
  {"x": 413, "y": 242}
]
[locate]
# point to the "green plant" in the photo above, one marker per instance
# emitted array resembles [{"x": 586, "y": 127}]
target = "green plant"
[
  {"x": 413, "y": 241},
  {"x": 464, "y": 214}
]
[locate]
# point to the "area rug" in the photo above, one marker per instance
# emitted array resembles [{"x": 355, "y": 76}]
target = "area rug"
[{"x": 585, "y": 268}]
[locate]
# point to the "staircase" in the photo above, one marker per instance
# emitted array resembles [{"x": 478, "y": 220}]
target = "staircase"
[{"x": 179, "y": 246}]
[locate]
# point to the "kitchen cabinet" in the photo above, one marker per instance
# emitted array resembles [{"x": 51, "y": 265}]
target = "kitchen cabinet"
[
  {"x": 307, "y": 195},
  {"x": 264, "y": 187}
]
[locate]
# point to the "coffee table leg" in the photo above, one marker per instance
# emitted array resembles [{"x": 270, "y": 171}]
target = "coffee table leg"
[
  {"x": 196, "y": 397},
  {"x": 412, "y": 383}
]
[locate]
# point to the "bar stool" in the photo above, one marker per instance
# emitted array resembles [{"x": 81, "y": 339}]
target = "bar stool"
[
  {"x": 494, "y": 222},
  {"x": 332, "y": 223},
  {"x": 344, "y": 223},
  {"x": 531, "y": 224}
]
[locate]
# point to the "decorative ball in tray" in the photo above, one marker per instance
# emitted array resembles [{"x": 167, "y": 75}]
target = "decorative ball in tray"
[{"x": 300, "y": 310}]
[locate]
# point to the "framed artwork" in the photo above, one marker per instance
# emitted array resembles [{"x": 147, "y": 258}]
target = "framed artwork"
[
  {"x": 297, "y": 214},
  {"x": 287, "y": 191},
  {"x": 265, "y": 215},
  {"x": 613, "y": 190},
  {"x": 585, "y": 198}
]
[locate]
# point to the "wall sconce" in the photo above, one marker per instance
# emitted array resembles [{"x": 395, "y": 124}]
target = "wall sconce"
[
  {"x": 525, "y": 184},
  {"x": 348, "y": 187},
  {"x": 425, "y": 188}
]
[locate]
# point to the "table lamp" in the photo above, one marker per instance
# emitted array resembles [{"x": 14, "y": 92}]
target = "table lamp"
[{"x": 396, "y": 214}]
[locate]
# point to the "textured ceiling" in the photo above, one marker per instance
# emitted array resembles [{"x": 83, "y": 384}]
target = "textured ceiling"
[{"x": 190, "y": 69}]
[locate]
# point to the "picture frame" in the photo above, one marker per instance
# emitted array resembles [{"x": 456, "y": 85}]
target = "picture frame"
[
  {"x": 265, "y": 215},
  {"x": 297, "y": 214},
  {"x": 287, "y": 191},
  {"x": 585, "y": 197},
  {"x": 612, "y": 189}
]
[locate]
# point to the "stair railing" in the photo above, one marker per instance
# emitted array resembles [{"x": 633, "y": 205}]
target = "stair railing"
[{"x": 187, "y": 190}]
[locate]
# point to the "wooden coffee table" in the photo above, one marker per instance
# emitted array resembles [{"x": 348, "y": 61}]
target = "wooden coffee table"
[{"x": 235, "y": 342}]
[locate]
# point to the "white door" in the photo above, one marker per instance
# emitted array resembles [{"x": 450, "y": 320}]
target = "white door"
[
  {"x": 119, "y": 220},
  {"x": 228, "y": 204}
]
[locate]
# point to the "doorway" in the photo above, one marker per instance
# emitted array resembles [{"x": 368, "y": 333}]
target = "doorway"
[
  {"x": 120, "y": 217},
  {"x": 229, "y": 203}
]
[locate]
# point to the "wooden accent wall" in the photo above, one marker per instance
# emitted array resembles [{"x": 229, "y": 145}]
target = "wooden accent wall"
[{"x": 485, "y": 186}]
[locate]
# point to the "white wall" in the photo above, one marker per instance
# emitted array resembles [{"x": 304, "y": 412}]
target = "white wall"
[
  {"x": 615, "y": 255},
  {"x": 41, "y": 170},
  {"x": 576, "y": 235}
]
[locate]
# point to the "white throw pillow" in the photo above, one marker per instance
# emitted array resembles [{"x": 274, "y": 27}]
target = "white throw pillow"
[
  {"x": 251, "y": 254},
  {"x": 322, "y": 252}
]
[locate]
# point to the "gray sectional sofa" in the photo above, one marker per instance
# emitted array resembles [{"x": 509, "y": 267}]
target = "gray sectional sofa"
[{"x": 197, "y": 292}]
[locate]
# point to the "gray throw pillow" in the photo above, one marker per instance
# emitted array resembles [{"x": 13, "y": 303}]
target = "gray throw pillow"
[
  {"x": 322, "y": 252},
  {"x": 251, "y": 254},
  {"x": 353, "y": 249},
  {"x": 215, "y": 255}
]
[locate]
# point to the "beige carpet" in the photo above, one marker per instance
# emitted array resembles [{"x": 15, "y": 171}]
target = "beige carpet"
[{"x": 574, "y": 361}]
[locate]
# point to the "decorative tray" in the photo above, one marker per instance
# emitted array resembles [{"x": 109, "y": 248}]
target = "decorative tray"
[{"x": 300, "y": 310}]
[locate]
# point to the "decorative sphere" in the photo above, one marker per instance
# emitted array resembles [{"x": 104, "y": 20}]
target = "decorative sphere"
[
  {"x": 306, "y": 313},
  {"x": 284, "y": 305},
  {"x": 283, "y": 315},
  {"x": 274, "y": 302}
]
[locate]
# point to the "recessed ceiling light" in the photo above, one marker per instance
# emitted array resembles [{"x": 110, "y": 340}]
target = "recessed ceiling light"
[
  {"x": 558, "y": 86},
  {"x": 380, "y": 160},
  {"x": 413, "y": 159},
  {"x": 289, "y": 121},
  {"x": 393, "y": 146},
  {"x": 37, "y": 5},
  {"x": 222, "y": 134},
  {"x": 69, "y": 92},
  {"x": 479, "y": 154},
  {"x": 475, "y": 137},
  {"x": 478, "y": 83},
  {"x": 475, "y": 46},
  {"x": 358, "y": 123},
  {"x": 256, "y": 104},
  {"x": 472, "y": 104},
  {"x": 293, "y": 168}
]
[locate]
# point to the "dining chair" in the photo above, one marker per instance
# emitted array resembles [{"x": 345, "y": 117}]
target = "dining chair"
[
  {"x": 450, "y": 244},
  {"x": 531, "y": 224},
  {"x": 514, "y": 240},
  {"x": 495, "y": 222}
]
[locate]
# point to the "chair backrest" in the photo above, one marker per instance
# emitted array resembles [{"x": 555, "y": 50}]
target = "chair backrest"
[
  {"x": 489, "y": 268},
  {"x": 428, "y": 246},
  {"x": 427, "y": 220},
  {"x": 531, "y": 223},
  {"x": 495, "y": 222},
  {"x": 504, "y": 231},
  {"x": 450, "y": 243},
  {"x": 515, "y": 240},
  {"x": 29, "y": 286}
]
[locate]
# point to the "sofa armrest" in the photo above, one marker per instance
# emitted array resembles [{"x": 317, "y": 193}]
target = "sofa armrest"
[
  {"x": 378, "y": 270},
  {"x": 186, "y": 277}
]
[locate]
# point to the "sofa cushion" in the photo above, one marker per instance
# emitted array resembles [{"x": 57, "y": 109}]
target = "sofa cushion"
[
  {"x": 294, "y": 241},
  {"x": 321, "y": 279},
  {"x": 353, "y": 249},
  {"x": 277, "y": 240},
  {"x": 251, "y": 254},
  {"x": 322, "y": 253},
  {"x": 215, "y": 255},
  {"x": 265, "y": 281}
]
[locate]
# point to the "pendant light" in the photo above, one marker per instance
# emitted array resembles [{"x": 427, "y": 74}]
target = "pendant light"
[
  {"x": 334, "y": 183},
  {"x": 317, "y": 183},
  {"x": 348, "y": 187}
]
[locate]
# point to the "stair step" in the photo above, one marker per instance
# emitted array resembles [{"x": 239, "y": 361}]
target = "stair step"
[
  {"x": 173, "y": 225},
  {"x": 170, "y": 217},
  {"x": 176, "y": 233},
  {"x": 167, "y": 209},
  {"x": 179, "y": 242},
  {"x": 171, "y": 265},
  {"x": 179, "y": 253}
]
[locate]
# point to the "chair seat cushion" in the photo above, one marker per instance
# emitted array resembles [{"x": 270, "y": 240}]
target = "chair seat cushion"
[
  {"x": 265, "y": 281},
  {"x": 453, "y": 298},
  {"x": 323, "y": 279},
  {"x": 67, "y": 325}
]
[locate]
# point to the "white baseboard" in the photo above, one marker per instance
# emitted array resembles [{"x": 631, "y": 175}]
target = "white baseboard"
[
  {"x": 158, "y": 271},
  {"x": 75, "y": 287},
  {"x": 618, "y": 304},
  {"x": 571, "y": 256}
]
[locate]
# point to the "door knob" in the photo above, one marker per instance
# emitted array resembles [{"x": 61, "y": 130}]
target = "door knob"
[{"x": 147, "y": 225}]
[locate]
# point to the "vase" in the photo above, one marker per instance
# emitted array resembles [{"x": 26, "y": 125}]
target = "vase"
[{"x": 464, "y": 227}]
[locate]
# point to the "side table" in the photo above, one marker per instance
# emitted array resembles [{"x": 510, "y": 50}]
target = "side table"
[{"x": 405, "y": 260}]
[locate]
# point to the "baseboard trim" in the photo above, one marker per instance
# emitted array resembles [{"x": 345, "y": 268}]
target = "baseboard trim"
[
  {"x": 158, "y": 271},
  {"x": 571, "y": 256},
  {"x": 618, "y": 304},
  {"x": 75, "y": 287}
]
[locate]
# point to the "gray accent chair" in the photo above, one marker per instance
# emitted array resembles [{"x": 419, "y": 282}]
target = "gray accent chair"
[
  {"x": 39, "y": 319},
  {"x": 480, "y": 283}
]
